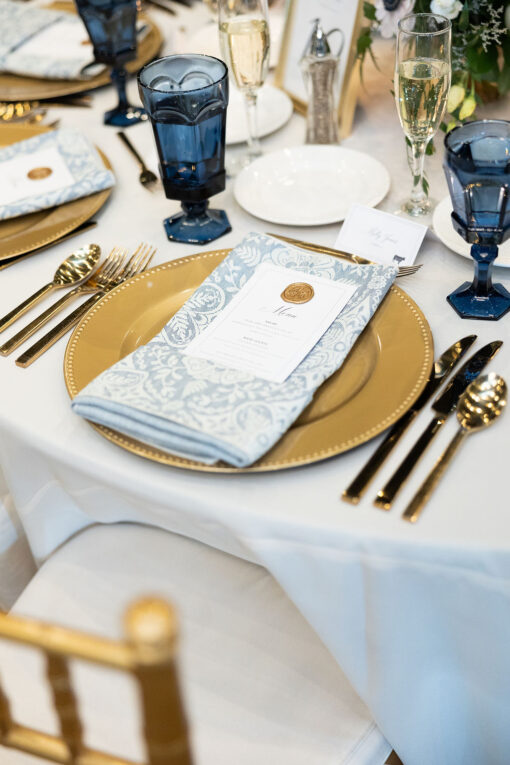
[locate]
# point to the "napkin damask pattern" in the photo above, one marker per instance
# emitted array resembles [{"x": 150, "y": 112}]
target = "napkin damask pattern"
[
  {"x": 82, "y": 160},
  {"x": 20, "y": 23},
  {"x": 197, "y": 409}
]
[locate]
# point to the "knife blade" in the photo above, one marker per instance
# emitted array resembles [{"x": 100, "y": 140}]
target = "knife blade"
[
  {"x": 440, "y": 371},
  {"x": 18, "y": 258},
  {"x": 444, "y": 404}
]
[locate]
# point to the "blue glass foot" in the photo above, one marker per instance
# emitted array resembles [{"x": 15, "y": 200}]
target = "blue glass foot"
[
  {"x": 125, "y": 116},
  {"x": 197, "y": 224},
  {"x": 469, "y": 305}
]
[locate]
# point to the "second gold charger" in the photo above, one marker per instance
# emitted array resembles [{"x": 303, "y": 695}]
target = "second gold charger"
[
  {"x": 383, "y": 375},
  {"x": 28, "y": 232}
]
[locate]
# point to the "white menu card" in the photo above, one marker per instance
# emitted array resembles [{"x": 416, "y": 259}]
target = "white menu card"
[{"x": 273, "y": 322}]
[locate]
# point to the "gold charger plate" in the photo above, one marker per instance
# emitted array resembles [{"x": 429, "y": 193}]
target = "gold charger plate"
[
  {"x": 14, "y": 87},
  {"x": 26, "y": 233},
  {"x": 383, "y": 375}
]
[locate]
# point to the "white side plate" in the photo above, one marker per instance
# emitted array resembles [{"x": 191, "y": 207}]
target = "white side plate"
[{"x": 310, "y": 185}]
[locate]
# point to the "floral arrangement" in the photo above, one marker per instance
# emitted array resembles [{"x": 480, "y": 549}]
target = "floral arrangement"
[{"x": 480, "y": 45}]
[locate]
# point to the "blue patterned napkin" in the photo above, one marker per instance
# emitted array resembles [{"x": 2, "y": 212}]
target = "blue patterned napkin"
[
  {"x": 195, "y": 409},
  {"x": 40, "y": 42},
  {"x": 74, "y": 155}
]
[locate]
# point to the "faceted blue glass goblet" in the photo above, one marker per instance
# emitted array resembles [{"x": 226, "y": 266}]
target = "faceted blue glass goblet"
[
  {"x": 186, "y": 97},
  {"x": 111, "y": 25},
  {"x": 477, "y": 168}
]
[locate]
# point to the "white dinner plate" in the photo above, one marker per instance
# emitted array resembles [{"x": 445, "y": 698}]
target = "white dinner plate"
[
  {"x": 310, "y": 185},
  {"x": 443, "y": 227},
  {"x": 274, "y": 109}
]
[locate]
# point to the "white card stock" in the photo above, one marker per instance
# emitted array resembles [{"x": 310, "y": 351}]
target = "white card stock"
[{"x": 273, "y": 322}]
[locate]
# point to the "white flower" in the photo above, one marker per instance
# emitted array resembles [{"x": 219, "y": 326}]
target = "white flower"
[
  {"x": 388, "y": 20},
  {"x": 448, "y": 8}
]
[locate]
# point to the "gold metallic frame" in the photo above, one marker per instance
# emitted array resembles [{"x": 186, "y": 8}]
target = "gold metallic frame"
[
  {"x": 147, "y": 653},
  {"x": 351, "y": 78}
]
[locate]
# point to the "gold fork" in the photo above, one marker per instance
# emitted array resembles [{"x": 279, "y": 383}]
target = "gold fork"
[
  {"x": 138, "y": 262},
  {"x": 93, "y": 284},
  {"x": 402, "y": 270}
]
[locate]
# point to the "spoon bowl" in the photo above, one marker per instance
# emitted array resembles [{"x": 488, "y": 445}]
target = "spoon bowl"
[
  {"x": 74, "y": 269},
  {"x": 483, "y": 401},
  {"x": 77, "y": 266}
]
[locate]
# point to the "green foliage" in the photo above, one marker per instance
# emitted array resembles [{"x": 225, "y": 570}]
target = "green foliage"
[
  {"x": 480, "y": 47},
  {"x": 369, "y": 11}
]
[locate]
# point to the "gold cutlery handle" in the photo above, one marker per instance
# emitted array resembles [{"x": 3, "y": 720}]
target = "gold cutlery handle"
[
  {"x": 358, "y": 485},
  {"x": 51, "y": 337},
  {"x": 322, "y": 249},
  {"x": 23, "y": 307},
  {"x": 125, "y": 140},
  {"x": 387, "y": 494},
  {"x": 418, "y": 502},
  {"x": 16, "y": 340}
]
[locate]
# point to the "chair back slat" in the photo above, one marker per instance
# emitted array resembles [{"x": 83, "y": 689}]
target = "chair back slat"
[
  {"x": 66, "y": 706},
  {"x": 148, "y": 654},
  {"x": 5, "y": 715},
  {"x": 152, "y": 632}
]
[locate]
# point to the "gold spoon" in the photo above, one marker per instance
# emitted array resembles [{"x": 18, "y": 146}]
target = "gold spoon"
[
  {"x": 73, "y": 270},
  {"x": 483, "y": 401}
]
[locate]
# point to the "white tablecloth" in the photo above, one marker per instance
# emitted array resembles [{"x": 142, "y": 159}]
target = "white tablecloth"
[{"x": 418, "y": 617}]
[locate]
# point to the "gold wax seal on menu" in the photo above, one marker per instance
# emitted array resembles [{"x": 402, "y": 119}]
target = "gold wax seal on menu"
[
  {"x": 38, "y": 173},
  {"x": 298, "y": 292}
]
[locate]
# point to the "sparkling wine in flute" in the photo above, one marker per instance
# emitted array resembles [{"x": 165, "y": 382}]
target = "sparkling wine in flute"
[
  {"x": 245, "y": 46},
  {"x": 421, "y": 93}
]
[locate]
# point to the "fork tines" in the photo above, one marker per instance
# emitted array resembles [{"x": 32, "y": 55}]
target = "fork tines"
[{"x": 138, "y": 261}]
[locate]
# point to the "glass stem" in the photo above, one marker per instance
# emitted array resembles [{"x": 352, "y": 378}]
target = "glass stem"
[
  {"x": 484, "y": 256},
  {"x": 416, "y": 156},
  {"x": 254, "y": 148},
  {"x": 118, "y": 77}
]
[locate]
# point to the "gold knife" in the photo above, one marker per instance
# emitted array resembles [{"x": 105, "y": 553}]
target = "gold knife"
[
  {"x": 17, "y": 258},
  {"x": 402, "y": 270},
  {"x": 440, "y": 371},
  {"x": 444, "y": 405}
]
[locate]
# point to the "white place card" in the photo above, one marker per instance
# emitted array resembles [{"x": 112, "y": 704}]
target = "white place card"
[
  {"x": 37, "y": 172},
  {"x": 380, "y": 236},
  {"x": 273, "y": 322}
]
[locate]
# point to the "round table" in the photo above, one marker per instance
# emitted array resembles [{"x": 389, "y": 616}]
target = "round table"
[{"x": 417, "y": 616}]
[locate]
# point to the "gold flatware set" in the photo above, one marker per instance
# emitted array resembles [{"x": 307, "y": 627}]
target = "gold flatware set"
[
  {"x": 478, "y": 401},
  {"x": 77, "y": 271}
]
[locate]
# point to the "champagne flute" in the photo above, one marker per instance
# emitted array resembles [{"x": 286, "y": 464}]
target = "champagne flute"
[
  {"x": 422, "y": 82},
  {"x": 244, "y": 39}
]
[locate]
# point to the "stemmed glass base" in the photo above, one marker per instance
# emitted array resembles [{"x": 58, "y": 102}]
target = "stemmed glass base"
[
  {"x": 418, "y": 209},
  {"x": 124, "y": 114},
  {"x": 197, "y": 224},
  {"x": 481, "y": 299}
]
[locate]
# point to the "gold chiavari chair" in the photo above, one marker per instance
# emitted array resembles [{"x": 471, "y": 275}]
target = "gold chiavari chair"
[{"x": 148, "y": 653}]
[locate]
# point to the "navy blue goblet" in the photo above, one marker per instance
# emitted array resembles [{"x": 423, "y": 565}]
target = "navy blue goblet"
[
  {"x": 186, "y": 98},
  {"x": 111, "y": 25},
  {"x": 477, "y": 168}
]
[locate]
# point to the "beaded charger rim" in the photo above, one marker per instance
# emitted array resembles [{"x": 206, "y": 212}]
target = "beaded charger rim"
[{"x": 381, "y": 378}]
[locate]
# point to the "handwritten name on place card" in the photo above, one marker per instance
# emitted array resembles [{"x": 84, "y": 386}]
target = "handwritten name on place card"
[{"x": 380, "y": 236}]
